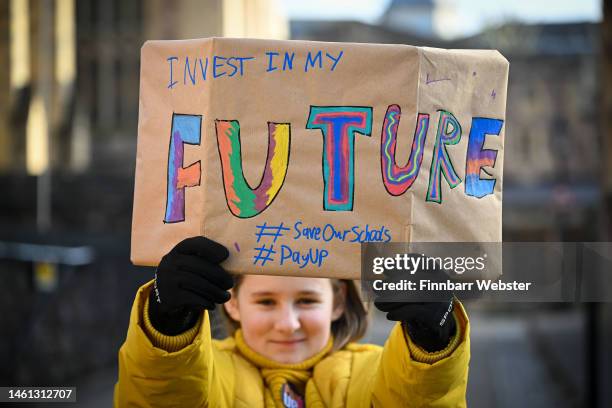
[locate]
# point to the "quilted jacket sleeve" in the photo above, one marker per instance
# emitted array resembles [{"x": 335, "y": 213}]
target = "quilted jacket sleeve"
[
  {"x": 152, "y": 377},
  {"x": 408, "y": 376}
]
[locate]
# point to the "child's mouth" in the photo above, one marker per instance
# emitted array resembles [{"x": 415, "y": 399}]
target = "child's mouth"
[{"x": 287, "y": 342}]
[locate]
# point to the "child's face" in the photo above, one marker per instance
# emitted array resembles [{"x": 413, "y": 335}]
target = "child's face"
[{"x": 286, "y": 319}]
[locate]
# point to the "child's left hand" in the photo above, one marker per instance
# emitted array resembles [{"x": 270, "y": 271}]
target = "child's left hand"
[{"x": 430, "y": 325}]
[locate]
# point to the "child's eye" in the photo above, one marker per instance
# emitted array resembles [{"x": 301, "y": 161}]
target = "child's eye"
[
  {"x": 308, "y": 301},
  {"x": 265, "y": 302}
]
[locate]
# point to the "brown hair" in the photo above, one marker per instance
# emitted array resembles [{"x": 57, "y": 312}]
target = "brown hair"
[{"x": 350, "y": 326}]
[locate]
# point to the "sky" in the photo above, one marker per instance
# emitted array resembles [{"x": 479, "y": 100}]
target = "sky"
[{"x": 459, "y": 17}]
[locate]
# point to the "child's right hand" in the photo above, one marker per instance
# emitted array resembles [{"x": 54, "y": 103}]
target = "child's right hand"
[{"x": 188, "y": 280}]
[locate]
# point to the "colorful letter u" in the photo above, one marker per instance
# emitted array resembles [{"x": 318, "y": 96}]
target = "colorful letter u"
[
  {"x": 395, "y": 178},
  {"x": 242, "y": 200}
]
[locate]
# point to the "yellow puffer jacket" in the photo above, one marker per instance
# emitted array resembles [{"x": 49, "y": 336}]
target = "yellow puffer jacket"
[{"x": 203, "y": 372}]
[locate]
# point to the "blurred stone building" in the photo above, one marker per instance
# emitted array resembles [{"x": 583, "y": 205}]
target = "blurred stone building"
[
  {"x": 552, "y": 160},
  {"x": 552, "y": 156},
  {"x": 69, "y": 86},
  {"x": 410, "y": 16}
]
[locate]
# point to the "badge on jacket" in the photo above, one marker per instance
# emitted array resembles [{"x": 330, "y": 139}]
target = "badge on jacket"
[{"x": 290, "y": 397}]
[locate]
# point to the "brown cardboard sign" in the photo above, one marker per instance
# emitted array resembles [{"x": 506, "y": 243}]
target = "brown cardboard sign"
[{"x": 292, "y": 153}]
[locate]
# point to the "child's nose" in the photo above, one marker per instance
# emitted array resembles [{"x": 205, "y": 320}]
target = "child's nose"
[{"x": 288, "y": 320}]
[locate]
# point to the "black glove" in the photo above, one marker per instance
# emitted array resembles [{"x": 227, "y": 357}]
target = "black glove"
[
  {"x": 429, "y": 325},
  {"x": 188, "y": 280}
]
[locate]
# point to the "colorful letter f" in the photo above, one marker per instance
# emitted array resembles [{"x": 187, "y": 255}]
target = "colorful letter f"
[{"x": 186, "y": 129}]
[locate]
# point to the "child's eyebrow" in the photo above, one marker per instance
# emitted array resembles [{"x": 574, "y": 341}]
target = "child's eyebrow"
[
  {"x": 262, "y": 293},
  {"x": 308, "y": 292},
  {"x": 269, "y": 293}
]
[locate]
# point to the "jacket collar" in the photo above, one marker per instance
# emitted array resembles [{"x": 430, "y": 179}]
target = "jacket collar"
[{"x": 276, "y": 375}]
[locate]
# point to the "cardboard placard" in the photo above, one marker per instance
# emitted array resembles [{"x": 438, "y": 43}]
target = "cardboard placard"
[{"x": 291, "y": 153}]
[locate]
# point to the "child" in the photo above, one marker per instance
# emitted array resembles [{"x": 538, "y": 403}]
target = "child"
[{"x": 293, "y": 345}]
